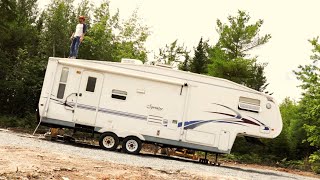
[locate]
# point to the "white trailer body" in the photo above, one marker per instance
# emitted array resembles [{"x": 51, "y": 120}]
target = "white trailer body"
[{"x": 155, "y": 104}]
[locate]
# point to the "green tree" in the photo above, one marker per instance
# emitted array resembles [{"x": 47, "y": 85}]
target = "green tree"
[
  {"x": 131, "y": 39},
  {"x": 18, "y": 36},
  {"x": 111, "y": 40},
  {"x": 59, "y": 23},
  {"x": 237, "y": 38},
  {"x": 200, "y": 60},
  {"x": 185, "y": 65},
  {"x": 230, "y": 57},
  {"x": 171, "y": 54},
  {"x": 99, "y": 38},
  {"x": 309, "y": 75},
  {"x": 293, "y": 129}
]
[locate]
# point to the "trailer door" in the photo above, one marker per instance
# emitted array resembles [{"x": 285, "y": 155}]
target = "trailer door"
[{"x": 88, "y": 98}]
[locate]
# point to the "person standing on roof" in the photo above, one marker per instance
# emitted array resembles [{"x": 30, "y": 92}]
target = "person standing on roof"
[{"x": 77, "y": 37}]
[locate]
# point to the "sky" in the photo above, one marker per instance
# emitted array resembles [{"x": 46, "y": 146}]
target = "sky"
[{"x": 290, "y": 23}]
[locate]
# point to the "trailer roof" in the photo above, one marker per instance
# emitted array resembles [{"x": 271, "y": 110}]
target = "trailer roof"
[{"x": 181, "y": 76}]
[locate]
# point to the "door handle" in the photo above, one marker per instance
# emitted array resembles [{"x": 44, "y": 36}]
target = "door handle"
[{"x": 80, "y": 94}]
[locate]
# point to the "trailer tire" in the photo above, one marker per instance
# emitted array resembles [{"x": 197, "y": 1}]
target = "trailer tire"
[
  {"x": 109, "y": 141},
  {"x": 131, "y": 145}
]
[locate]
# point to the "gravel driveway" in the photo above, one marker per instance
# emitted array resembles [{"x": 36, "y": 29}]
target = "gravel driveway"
[{"x": 157, "y": 163}]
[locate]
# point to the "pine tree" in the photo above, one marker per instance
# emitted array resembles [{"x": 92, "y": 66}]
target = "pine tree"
[
  {"x": 171, "y": 53},
  {"x": 185, "y": 65},
  {"x": 230, "y": 58},
  {"x": 200, "y": 61}
]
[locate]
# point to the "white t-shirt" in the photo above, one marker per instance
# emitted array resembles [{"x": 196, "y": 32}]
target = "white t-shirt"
[{"x": 80, "y": 29}]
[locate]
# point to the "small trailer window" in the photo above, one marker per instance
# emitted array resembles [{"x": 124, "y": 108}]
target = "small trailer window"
[
  {"x": 118, "y": 94},
  {"x": 249, "y": 104},
  {"x": 91, "y": 84},
  {"x": 63, "y": 82}
]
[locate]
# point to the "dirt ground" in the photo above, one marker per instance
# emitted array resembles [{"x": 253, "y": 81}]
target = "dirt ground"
[{"x": 24, "y": 163}]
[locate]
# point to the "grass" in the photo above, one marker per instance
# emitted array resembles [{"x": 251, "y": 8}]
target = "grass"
[
  {"x": 269, "y": 160},
  {"x": 25, "y": 124}
]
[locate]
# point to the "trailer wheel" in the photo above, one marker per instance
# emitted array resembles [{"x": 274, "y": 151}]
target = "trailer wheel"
[
  {"x": 131, "y": 145},
  {"x": 109, "y": 141}
]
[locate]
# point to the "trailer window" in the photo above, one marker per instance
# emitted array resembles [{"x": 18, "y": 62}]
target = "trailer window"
[
  {"x": 91, "y": 84},
  {"x": 62, "y": 82},
  {"x": 249, "y": 104},
  {"x": 118, "y": 94}
]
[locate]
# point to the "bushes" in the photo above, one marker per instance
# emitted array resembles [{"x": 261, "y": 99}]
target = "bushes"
[
  {"x": 251, "y": 158},
  {"x": 303, "y": 165},
  {"x": 28, "y": 122},
  {"x": 316, "y": 168},
  {"x": 315, "y": 160}
]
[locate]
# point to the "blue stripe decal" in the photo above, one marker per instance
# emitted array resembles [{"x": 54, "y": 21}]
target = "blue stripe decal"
[
  {"x": 195, "y": 123},
  {"x": 187, "y": 123}
]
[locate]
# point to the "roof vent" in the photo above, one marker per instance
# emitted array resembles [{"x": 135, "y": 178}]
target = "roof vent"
[
  {"x": 163, "y": 65},
  {"x": 131, "y": 61}
]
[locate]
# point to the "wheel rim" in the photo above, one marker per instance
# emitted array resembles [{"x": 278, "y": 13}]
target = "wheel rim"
[
  {"x": 132, "y": 145},
  {"x": 108, "y": 142}
]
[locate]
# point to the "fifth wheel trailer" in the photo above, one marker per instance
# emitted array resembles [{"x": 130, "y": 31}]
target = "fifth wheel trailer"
[{"x": 133, "y": 103}]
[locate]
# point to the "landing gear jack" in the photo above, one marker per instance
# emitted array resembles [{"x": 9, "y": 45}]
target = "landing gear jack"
[
  {"x": 216, "y": 163},
  {"x": 206, "y": 161}
]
